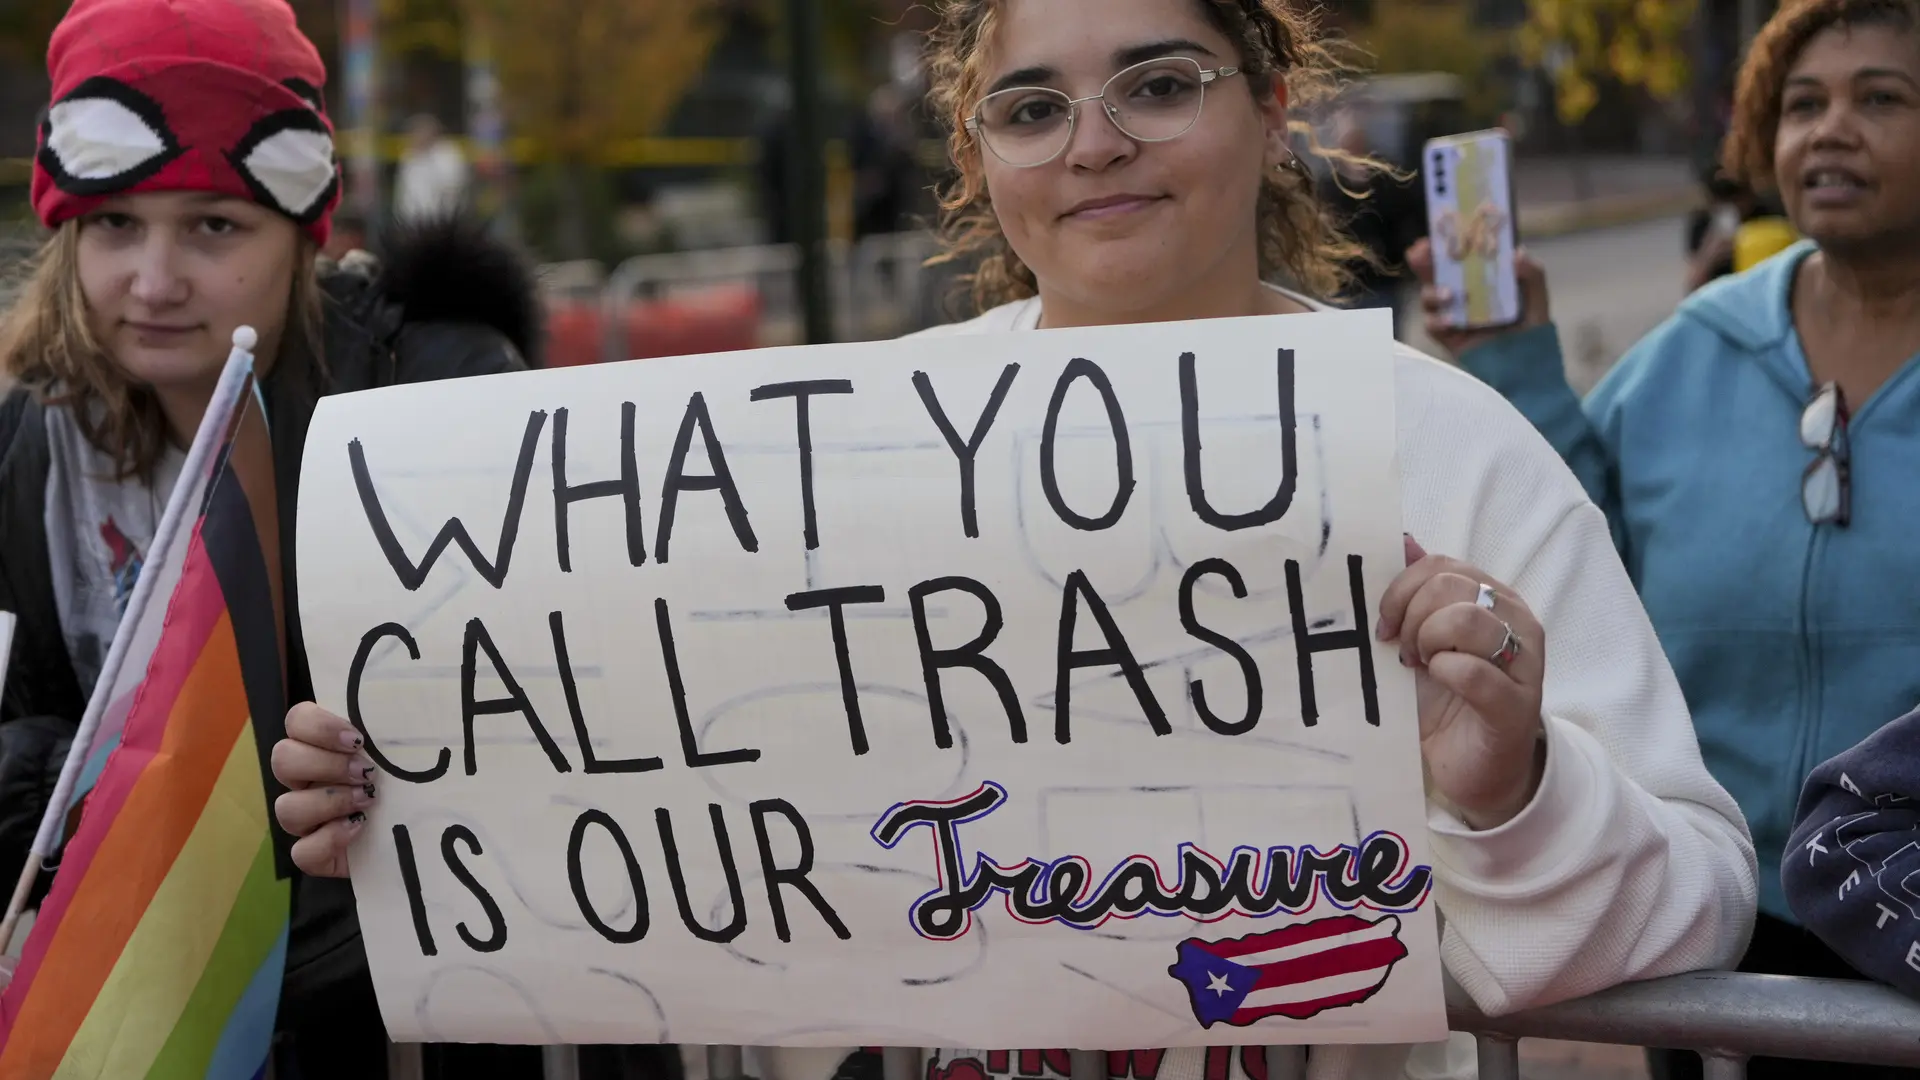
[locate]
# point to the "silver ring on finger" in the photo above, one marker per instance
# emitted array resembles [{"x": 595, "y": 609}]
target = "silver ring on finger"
[
  {"x": 1484, "y": 599},
  {"x": 1509, "y": 650}
]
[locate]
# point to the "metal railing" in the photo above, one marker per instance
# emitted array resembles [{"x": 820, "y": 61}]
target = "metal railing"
[
  {"x": 880, "y": 287},
  {"x": 1725, "y": 1017}
]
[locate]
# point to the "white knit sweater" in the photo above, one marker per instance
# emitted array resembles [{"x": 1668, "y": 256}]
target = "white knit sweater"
[{"x": 1632, "y": 862}]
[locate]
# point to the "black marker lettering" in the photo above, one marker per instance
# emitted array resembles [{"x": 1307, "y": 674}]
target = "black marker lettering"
[
  {"x": 1249, "y": 671},
  {"x": 1122, "y": 448},
  {"x": 591, "y": 764},
  {"x": 410, "y": 880},
  {"x": 801, "y": 392},
  {"x": 1116, "y": 654},
  {"x": 626, "y": 488},
  {"x": 1289, "y": 451},
  {"x": 576, "y": 876},
  {"x": 836, "y": 601},
  {"x": 941, "y": 916},
  {"x": 971, "y": 655},
  {"x": 478, "y": 640},
  {"x": 1378, "y": 874},
  {"x": 454, "y": 531},
  {"x": 678, "y": 875},
  {"x": 1306, "y": 644},
  {"x": 496, "y": 938},
  {"x": 354, "y": 673},
  {"x": 796, "y": 877},
  {"x": 689, "y": 743},
  {"x": 966, "y": 451},
  {"x": 721, "y": 481}
]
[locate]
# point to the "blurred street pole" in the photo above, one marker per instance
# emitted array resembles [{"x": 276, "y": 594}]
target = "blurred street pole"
[
  {"x": 360, "y": 50},
  {"x": 486, "y": 130},
  {"x": 807, "y": 184},
  {"x": 1709, "y": 73}
]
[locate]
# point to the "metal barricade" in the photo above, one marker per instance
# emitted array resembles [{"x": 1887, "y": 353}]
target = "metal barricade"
[
  {"x": 1725, "y": 1017},
  {"x": 880, "y": 288}
]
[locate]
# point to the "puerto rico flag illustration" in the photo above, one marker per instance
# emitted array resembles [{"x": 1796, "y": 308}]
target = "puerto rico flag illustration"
[
  {"x": 1296, "y": 972},
  {"x": 159, "y": 951}
]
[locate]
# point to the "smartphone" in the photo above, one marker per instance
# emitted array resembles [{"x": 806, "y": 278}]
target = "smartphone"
[{"x": 1470, "y": 220}]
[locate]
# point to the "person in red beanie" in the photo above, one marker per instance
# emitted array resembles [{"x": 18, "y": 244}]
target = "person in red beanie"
[{"x": 187, "y": 172}]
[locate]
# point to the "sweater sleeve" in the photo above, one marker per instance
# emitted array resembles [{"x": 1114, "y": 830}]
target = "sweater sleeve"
[
  {"x": 1852, "y": 869},
  {"x": 1529, "y": 370},
  {"x": 1631, "y": 862}
]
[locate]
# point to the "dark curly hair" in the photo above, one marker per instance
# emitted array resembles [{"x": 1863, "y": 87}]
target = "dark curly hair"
[
  {"x": 1277, "y": 39},
  {"x": 1748, "y": 153}
]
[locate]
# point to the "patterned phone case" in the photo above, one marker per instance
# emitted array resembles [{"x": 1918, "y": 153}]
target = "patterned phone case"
[{"x": 1470, "y": 217}]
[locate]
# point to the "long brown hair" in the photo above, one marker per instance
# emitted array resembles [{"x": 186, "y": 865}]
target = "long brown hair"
[
  {"x": 1298, "y": 238},
  {"x": 47, "y": 344}
]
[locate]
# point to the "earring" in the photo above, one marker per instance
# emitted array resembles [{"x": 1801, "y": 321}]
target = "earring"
[{"x": 1294, "y": 165}]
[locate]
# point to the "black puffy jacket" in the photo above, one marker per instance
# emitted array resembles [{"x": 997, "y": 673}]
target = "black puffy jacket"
[{"x": 446, "y": 303}]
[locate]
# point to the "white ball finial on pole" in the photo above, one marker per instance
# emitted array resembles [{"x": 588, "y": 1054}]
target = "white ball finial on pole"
[{"x": 245, "y": 338}]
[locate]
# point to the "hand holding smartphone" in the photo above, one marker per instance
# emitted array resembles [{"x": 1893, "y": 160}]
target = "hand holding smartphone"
[{"x": 1470, "y": 221}]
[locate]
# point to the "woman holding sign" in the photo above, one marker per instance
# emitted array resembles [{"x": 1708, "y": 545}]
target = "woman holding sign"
[
  {"x": 1127, "y": 161},
  {"x": 187, "y": 170}
]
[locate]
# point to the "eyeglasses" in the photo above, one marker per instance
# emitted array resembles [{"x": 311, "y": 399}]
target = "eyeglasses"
[
  {"x": 1826, "y": 489},
  {"x": 1160, "y": 100}
]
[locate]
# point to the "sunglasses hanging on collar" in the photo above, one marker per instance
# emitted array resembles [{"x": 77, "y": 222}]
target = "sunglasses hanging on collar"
[{"x": 1826, "y": 488}]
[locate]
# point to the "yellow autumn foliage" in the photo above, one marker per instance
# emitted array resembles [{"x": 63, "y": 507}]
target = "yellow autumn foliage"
[
  {"x": 575, "y": 75},
  {"x": 1637, "y": 42}
]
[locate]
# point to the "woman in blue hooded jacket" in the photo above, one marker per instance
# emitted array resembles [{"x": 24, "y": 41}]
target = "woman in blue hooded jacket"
[{"x": 1758, "y": 455}]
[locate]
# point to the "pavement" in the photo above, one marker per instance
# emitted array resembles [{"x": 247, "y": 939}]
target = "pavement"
[{"x": 1562, "y": 195}]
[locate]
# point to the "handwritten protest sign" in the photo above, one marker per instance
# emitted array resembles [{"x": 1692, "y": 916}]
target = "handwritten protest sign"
[{"x": 1007, "y": 691}]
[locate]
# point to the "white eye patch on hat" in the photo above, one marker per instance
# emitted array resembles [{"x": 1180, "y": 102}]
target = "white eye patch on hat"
[{"x": 107, "y": 137}]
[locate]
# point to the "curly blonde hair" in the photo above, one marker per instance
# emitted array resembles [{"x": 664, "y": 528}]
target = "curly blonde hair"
[
  {"x": 1299, "y": 239},
  {"x": 1748, "y": 152},
  {"x": 47, "y": 344}
]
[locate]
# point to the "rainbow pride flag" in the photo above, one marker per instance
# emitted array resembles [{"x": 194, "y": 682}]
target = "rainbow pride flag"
[{"x": 160, "y": 949}]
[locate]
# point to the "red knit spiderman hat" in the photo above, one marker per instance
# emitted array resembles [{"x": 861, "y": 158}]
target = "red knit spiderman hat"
[{"x": 186, "y": 95}]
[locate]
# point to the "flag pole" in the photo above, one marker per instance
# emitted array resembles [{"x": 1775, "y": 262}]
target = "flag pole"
[
  {"x": 21, "y": 890},
  {"x": 47, "y": 841}
]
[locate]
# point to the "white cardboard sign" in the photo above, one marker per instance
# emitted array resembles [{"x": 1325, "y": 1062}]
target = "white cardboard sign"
[{"x": 1007, "y": 691}]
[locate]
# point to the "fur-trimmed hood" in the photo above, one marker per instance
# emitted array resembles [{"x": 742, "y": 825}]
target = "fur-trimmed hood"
[
  {"x": 446, "y": 271},
  {"x": 450, "y": 270}
]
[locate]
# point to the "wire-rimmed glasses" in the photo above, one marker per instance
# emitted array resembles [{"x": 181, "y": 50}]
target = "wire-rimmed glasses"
[
  {"x": 1826, "y": 488},
  {"x": 1155, "y": 101}
]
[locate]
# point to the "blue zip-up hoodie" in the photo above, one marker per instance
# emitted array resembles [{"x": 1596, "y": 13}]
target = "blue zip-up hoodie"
[{"x": 1792, "y": 643}]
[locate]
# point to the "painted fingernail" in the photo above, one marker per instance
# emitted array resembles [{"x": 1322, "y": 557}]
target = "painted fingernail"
[
  {"x": 361, "y": 769},
  {"x": 351, "y": 740},
  {"x": 355, "y": 820},
  {"x": 369, "y": 790},
  {"x": 363, "y": 795},
  {"x": 1380, "y": 631}
]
